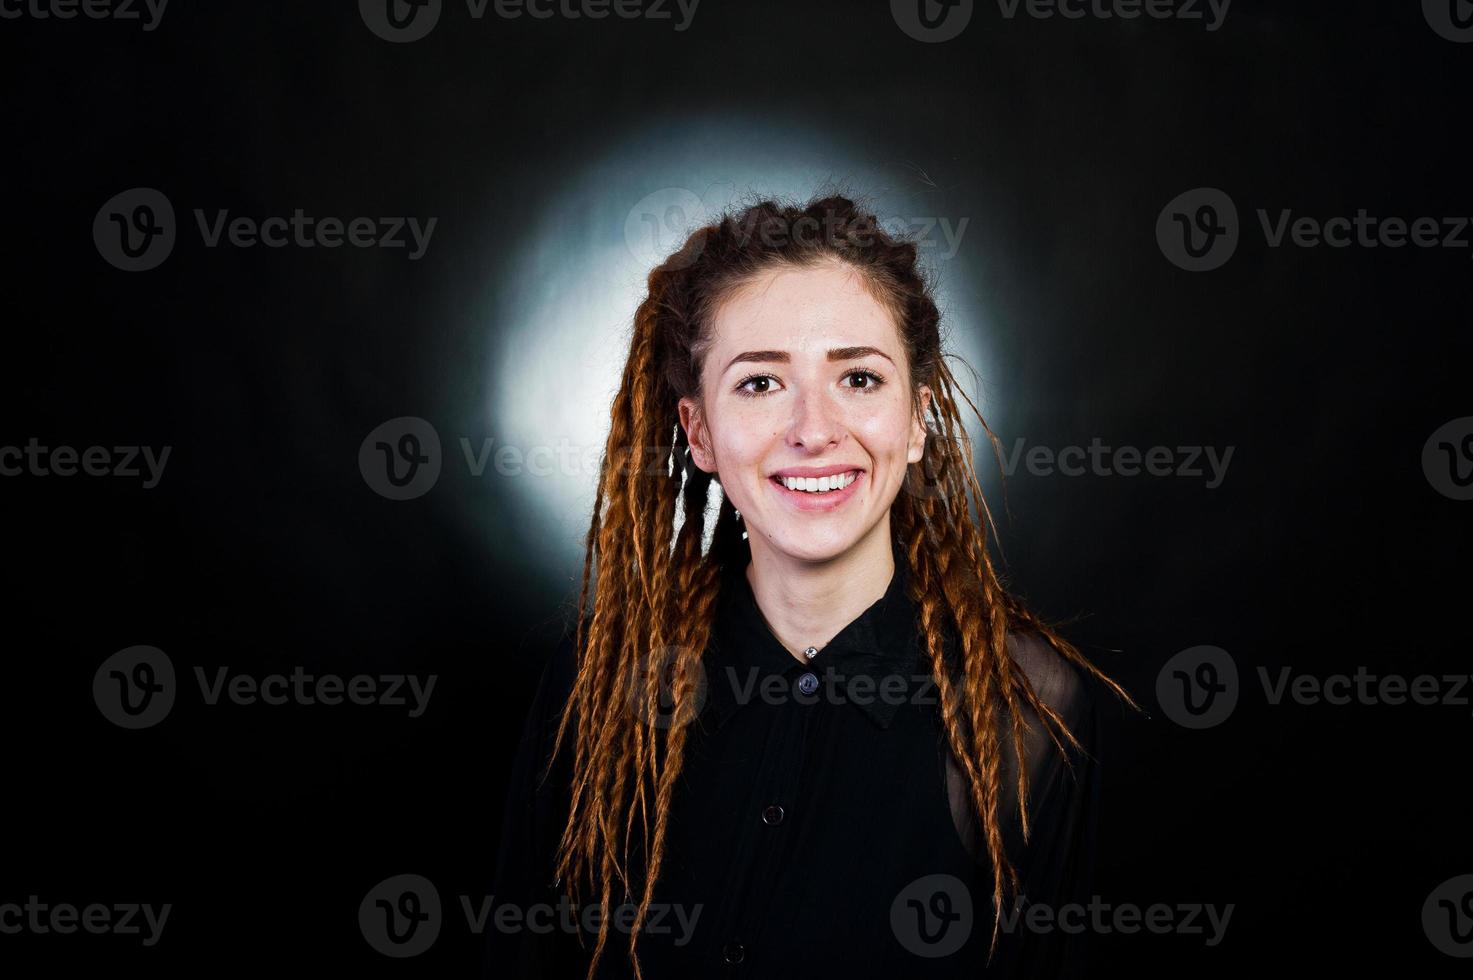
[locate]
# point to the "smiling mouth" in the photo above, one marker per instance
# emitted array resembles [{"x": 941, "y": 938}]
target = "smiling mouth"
[{"x": 817, "y": 485}]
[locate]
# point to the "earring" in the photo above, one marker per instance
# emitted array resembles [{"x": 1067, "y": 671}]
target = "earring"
[{"x": 739, "y": 518}]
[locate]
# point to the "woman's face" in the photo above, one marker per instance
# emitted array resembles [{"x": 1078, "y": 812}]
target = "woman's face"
[{"x": 806, "y": 413}]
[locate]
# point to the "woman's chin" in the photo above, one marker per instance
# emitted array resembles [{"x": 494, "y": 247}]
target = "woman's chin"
[{"x": 813, "y": 548}]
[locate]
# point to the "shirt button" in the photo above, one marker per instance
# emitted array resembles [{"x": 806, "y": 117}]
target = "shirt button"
[
  {"x": 734, "y": 952},
  {"x": 808, "y": 683},
  {"x": 811, "y": 652},
  {"x": 773, "y": 815}
]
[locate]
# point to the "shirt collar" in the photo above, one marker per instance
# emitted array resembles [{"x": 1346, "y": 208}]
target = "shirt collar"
[{"x": 879, "y": 644}]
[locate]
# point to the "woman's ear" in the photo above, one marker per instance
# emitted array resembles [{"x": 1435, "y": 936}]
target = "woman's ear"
[
  {"x": 916, "y": 447},
  {"x": 918, "y": 429},
  {"x": 697, "y": 434}
]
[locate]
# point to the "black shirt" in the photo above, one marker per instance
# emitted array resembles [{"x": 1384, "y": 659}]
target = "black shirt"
[{"x": 820, "y": 825}]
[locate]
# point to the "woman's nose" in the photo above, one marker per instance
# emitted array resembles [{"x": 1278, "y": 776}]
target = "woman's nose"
[{"x": 815, "y": 424}]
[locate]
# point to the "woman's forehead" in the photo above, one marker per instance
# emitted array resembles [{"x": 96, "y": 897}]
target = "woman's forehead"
[{"x": 804, "y": 312}]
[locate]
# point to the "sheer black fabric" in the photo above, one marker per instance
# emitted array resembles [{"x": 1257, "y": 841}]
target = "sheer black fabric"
[{"x": 821, "y": 824}]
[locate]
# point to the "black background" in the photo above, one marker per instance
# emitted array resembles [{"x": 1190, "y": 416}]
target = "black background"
[{"x": 262, "y": 548}]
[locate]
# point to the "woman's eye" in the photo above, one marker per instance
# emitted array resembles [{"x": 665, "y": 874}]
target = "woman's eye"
[
  {"x": 757, "y": 384},
  {"x": 864, "y": 379}
]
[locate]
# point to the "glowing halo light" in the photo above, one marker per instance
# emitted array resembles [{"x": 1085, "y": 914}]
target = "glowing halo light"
[{"x": 568, "y": 304}]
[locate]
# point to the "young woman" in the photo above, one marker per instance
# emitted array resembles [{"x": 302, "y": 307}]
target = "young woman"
[{"x": 790, "y": 745}]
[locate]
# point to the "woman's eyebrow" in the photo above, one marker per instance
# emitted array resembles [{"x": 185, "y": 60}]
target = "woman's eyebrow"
[
  {"x": 781, "y": 356},
  {"x": 850, "y": 353}
]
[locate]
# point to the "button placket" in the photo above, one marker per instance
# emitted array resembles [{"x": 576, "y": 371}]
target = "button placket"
[{"x": 770, "y": 845}]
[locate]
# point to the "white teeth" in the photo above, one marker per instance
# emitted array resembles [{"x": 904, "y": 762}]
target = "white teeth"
[{"x": 820, "y": 484}]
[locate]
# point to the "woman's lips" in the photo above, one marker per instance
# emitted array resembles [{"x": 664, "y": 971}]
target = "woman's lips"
[{"x": 822, "y": 501}]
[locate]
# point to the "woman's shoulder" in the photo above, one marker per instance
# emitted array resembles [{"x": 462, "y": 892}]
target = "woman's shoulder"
[
  {"x": 553, "y": 670},
  {"x": 1059, "y": 682}
]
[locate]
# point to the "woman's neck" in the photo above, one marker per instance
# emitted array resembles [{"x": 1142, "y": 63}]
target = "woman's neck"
[{"x": 807, "y": 603}]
